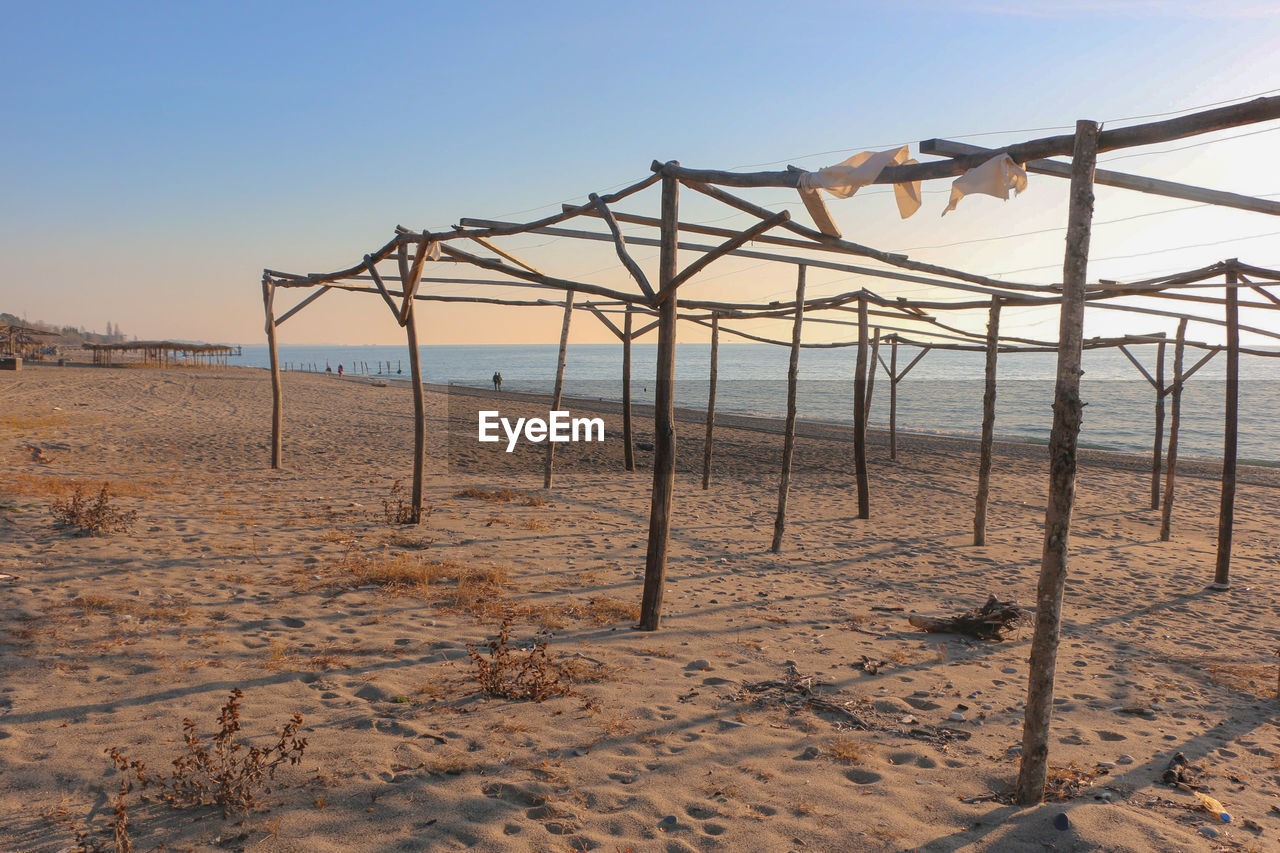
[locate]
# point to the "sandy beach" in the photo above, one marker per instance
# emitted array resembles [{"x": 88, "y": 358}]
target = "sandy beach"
[{"x": 703, "y": 736}]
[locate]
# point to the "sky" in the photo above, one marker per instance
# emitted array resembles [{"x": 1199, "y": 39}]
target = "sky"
[{"x": 155, "y": 157}]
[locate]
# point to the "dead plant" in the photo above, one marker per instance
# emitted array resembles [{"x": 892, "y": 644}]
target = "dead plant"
[
  {"x": 92, "y": 516},
  {"x": 396, "y": 510},
  {"x": 506, "y": 673},
  {"x": 226, "y": 772}
]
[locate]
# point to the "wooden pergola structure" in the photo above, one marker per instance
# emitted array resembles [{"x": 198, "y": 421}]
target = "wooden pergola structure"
[
  {"x": 22, "y": 341},
  {"x": 662, "y": 303},
  {"x": 163, "y": 353}
]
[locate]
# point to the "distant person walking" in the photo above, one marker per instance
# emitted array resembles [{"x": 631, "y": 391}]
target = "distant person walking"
[
  {"x": 497, "y": 381},
  {"x": 339, "y": 369}
]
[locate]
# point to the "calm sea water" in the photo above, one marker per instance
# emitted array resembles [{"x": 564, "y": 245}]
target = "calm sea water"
[{"x": 942, "y": 394}]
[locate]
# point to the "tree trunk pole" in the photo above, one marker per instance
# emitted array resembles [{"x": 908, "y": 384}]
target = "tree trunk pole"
[
  {"x": 1067, "y": 411},
  {"x": 1156, "y": 453},
  {"x": 419, "y": 413},
  {"x": 1175, "y": 415},
  {"x": 988, "y": 424},
  {"x": 559, "y": 388},
  {"x": 1226, "y": 514},
  {"x": 664, "y": 432},
  {"x": 711, "y": 402},
  {"x": 893, "y": 400},
  {"x": 277, "y": 403},
  {"x": 860, "y": 413},
  {"x": 872, "y": 368},
  {"x": 789, "y": 432},
  {"x": 628, "y": 453}
]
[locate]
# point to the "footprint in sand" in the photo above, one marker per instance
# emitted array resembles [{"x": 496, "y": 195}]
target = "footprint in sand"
[
  {"x": 900, "y": 758},
  {"x": 1111, "y": 736},
  {"x": 858, "y": 776}
]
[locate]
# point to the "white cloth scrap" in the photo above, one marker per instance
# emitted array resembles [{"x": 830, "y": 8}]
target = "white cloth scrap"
[
  {"x": 846, "y": 178},
  {"x": 995, "y": 177}
]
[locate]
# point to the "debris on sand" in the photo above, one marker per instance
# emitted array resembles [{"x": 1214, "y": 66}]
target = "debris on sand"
[{"x": 989, "y": 622}]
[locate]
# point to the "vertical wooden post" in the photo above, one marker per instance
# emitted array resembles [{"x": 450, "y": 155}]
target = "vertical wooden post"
[
  {"x": 1175, "y": 414},
  {"x": 711, "y": 401},
  {"x": 893, "y": 400},
  {"x": 872, "y": 362},
  {"x": 1159, "y": 442},
  {"x": 664, "y": 432},
  {"x": 988, "y": 424},
  {"x": 419, "y": 413},
  {"x": 860, "y": 412},
  {"x": 1067, "y": 414},
  {"x": 1227, "y": 510},
  {"x": 268, "y": 304},
  {"x": 789, "y": 431},
  {"x": 559, "y": 387},
  {"x": 629, "y": 451}
]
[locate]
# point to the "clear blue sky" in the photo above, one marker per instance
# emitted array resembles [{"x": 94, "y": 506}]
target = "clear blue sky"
[{"x": 155, "y": 157}]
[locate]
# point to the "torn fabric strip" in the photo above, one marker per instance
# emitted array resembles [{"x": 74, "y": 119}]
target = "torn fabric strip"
[
  {"x": 846, "y": 178},
  {"x": 995, "y": 178}
]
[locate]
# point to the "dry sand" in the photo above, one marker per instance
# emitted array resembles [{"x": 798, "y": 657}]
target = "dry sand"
[{"x": 238, "y": 576}]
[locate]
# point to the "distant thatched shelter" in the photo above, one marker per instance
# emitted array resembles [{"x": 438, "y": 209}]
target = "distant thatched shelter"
[{"x": 164, "y": 353}]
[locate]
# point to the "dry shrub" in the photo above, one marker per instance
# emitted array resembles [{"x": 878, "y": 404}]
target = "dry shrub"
[
  {"x": 533, "y": 524},
  {"x": 396, "y": 510},
  {"x": 227, "y": 772},
  {"x": 603, "y": 610},
  {"x": 92, "y": 516},
  {"x": 506, "y": 673},
  {"x": 503, "y": 495}
]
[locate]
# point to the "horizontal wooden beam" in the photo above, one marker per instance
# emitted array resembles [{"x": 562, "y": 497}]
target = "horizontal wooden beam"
[
  {"x": 816, "y": 263},
  {"x": 1152, "y": 186},
  {"x": 1222, "y": 118}
]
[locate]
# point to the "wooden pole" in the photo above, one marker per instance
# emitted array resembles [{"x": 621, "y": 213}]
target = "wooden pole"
[
  {"x": 664, "y": 431},
  {"x": 1159, "y": 441},
  {"x": 711, "y": 402},
  {"x": 860, "y": 412},
  {"x": 559, "y": 388},
  {"x": 988, "y": 424},
  {"x": 1067, "y": 413},
  {"x": 893, "y": 400},
  {"x": 871, "y": 372},
  {"x": 277, "y": 404},
  {"x": 1226, "y": 513},
  {"x": 1175, "y": 415},
  {"x": 628, "y": 451},
  {"x": 419, "y": 413},
  {"x": 789, "y": 432}
]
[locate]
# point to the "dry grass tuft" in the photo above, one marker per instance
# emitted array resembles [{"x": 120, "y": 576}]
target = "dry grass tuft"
[
  {"x": 849, "y": 751},
  {"x": 53, "y": 485},
  {"x": 19, "y": 423},
  {"x": 503, "y": 495},
  {"x": 603, "y": 610},
  {"x": 475, "y": 589}
]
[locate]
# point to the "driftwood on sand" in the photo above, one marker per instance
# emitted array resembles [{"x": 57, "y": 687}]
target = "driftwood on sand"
[{"x": 989, "y": 622}]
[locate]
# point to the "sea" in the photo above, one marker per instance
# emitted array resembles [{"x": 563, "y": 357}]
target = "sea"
[{"x": 942, "y": 394}]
